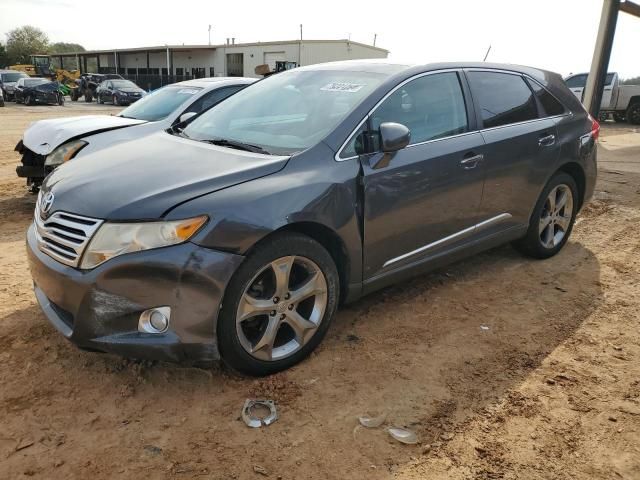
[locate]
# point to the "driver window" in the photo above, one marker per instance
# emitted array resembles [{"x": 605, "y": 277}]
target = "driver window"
[{"x": 431, "y": 107}]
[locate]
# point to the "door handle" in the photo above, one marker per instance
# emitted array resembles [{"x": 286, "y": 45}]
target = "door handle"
[
  {"x": 547, "y": 140},
  {"x": 471, "y": 162}
]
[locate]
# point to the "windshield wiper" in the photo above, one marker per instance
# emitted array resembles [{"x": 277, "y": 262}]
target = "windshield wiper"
[{"x": 223, "y": 142}]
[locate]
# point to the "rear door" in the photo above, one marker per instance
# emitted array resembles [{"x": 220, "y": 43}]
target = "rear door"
[
  {"x": 422, "y": 199},
  {"x": 522, "y": 145},
  {"x": 607, "y": 93}
]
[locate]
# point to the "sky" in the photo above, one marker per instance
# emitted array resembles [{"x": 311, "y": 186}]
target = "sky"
[{"x": 557, "y": 35}]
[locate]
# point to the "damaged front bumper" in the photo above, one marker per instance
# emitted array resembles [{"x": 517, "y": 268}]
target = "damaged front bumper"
[
  {"x": 33, "y": 167},
  {"x": 99, "y": 309}
]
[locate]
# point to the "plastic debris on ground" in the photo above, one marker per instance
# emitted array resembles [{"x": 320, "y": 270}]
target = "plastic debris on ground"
[
  {"x": 403, "y": 435},
  {"x": 372, "y": 422},
  {"x": 251, "y": 413}
]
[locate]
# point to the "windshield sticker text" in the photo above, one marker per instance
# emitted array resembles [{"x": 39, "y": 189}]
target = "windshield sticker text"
[{"x": 342, "y": 87}]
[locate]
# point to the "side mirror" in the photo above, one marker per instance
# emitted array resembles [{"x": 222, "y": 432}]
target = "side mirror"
[
  {"x": 186, "y": 116},
  {"x": 393, "y": 137}
]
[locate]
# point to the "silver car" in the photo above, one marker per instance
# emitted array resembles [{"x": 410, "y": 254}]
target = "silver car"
[{"x": 46, "y": 144}]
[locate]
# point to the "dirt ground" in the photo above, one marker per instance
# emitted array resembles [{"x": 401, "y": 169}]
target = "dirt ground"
[{"x": 504, "y": 367}]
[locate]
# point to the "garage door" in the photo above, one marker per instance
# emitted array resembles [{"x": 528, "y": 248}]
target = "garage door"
[
  {"x": 235, "y": 64},
  {"x": 270, "y": 58}
]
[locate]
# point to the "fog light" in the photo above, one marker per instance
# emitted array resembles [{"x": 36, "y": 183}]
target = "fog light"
[{"x": 155, "y": 320}]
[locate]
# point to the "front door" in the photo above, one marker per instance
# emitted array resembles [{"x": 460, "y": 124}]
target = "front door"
[{"x": 426, "y": 197}]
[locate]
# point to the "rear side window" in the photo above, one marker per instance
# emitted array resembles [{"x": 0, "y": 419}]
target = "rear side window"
[
  {"x": 431, "y": 107},
  {"x": 503, "y": 98},
  {"x": 550, "y": 105}
]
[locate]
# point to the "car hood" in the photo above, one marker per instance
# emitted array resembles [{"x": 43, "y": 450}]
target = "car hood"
[
  {"x": 144, "y": 179},
  {"x": 44, "y": 136}
]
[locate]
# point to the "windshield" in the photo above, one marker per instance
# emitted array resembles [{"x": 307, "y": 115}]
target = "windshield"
[
  {"x": 160, "y": 103},
  {"x": 35, "y": 81},
  {"x": 288, "y": 112},
  {"x": 123, "y": 84},
  {"x": 13, "y": 77}
]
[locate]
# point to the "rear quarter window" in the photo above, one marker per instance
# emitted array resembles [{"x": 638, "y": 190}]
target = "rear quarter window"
[
  {"x": 503, "y": 98},
  {"x": 550, "y": 105}
]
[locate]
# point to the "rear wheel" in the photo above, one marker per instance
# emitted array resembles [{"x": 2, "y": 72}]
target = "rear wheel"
[
  {"x": 619, "y": 117},
  {"x": 88, "y": 97},
  {"x": 552, "y": 219},
  {"x": 278, "y": 305},
  {"x": 60, "y": 99},
  {"x": 633, "y": 113}
]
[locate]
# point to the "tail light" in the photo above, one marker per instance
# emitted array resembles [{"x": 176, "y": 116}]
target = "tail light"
[{"x": 595, "y": 128}]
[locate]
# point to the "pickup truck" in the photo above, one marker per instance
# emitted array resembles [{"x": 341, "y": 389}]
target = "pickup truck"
[{"x": 623, "y": 101}]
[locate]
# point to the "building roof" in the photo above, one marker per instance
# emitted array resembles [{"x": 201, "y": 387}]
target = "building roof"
[{"x": 163, "y": 48}]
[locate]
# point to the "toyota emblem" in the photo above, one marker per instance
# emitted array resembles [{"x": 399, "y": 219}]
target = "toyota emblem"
[{"x": 46, "y": 203}]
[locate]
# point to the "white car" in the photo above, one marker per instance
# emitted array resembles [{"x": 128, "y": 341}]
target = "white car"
[
  {"x": 623, "y": 101},
  {"x": 46, "y": 144}
]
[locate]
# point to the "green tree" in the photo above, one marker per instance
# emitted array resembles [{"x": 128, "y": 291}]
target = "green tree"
[
  {"x": 25, "y": 41},
  {"x": 632, "y": 81},
  {"x": 4, "y": 59},
  {"x": 62, "y": 47}
]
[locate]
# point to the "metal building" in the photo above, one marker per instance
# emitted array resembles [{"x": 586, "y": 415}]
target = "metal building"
[{"x": 152, "y": 67}]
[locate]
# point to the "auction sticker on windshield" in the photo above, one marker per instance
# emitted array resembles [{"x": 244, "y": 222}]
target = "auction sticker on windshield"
[{"x": 342, "y": 87}]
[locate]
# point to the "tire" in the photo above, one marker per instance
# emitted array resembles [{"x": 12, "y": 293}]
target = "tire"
[
  {"x": 602, "y": 117},
  {"x": 633, "y": 114},
  {"x": 28, "y": 100},
  {"x": 619, "y": 117},
  {"x": 74, "y": 95},
  {"x": 88, "y": 97},
  {"x": 115, "y": 100},
  {"x": 60, "y": 99},
  {"x": 99, "y": 99},
  {"x": 313, "y": 268},
  {"x": 533, "y": 243}
]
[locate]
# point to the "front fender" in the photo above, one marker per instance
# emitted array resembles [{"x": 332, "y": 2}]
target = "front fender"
[{"x": 312, "y": 188}]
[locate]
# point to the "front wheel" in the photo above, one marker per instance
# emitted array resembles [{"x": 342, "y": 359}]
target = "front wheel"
[
  {"x": 633, "y": 114},
  {"x": 552, "y": 219},
  {"x": 28, "y": 100},
  {"x": 115, "y": 100},
  {"x": 278, "y": 305}
]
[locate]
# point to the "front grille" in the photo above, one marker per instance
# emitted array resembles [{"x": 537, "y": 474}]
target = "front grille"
[{"x": 64, "y": 236}]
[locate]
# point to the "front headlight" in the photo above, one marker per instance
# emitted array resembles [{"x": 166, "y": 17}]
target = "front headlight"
[
  {"x": 113, "y": 239},
  {"x": 123, "y": 93},
  {"x": 64, "y": 153}
]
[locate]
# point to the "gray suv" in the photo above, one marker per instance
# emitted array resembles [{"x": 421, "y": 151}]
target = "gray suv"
[{"x": 237, "y": 235}]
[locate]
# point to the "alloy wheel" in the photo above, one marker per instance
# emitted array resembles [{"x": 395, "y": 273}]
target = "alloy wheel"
[
  {"x": 556, "y": 216},
  {"x": 281, "y": 308}
]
